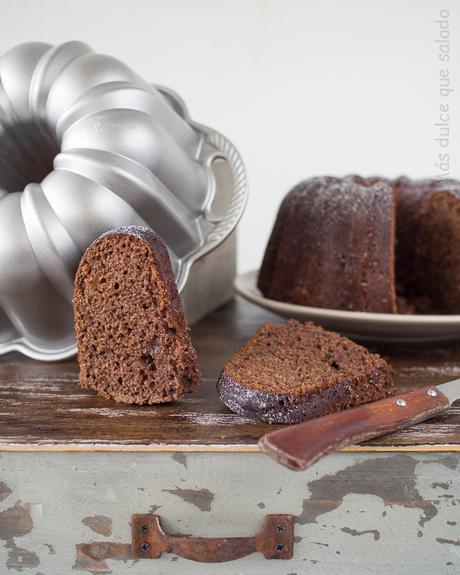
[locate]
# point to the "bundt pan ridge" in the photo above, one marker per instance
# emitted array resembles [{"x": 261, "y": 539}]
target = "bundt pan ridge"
[{"x": 86, "y": 145}]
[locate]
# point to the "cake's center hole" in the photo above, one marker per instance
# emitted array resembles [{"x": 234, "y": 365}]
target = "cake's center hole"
[{"x": 27, "y": 152}]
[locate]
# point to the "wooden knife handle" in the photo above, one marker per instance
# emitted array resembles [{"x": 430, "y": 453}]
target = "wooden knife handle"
[{"x": 298, "y": 446}]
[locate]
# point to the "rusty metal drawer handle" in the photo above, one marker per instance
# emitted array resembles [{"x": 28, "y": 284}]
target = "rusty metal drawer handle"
[{"x": 274, "y": 540}]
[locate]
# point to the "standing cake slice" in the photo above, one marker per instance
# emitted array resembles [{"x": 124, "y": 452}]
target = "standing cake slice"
[
  {"x": 133, "y": 341},
  {"x": 287, "y": 373}
]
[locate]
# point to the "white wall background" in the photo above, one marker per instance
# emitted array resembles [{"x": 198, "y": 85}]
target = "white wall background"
[{"x": 302, "y": 87}]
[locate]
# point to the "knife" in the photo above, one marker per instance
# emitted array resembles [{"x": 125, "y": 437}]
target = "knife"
[{"x": 299, "y": 446}]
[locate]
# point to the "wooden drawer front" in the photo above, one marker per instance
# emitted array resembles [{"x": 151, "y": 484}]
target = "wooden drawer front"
[{"x": 357, "y": 513}]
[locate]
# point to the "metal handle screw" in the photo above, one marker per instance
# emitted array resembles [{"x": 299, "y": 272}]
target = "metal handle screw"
[
  {"x": 279, "y": 547},
  {"x": 143, "y": 528},
  {"x": 144, "y": 547},
  {"x": 280, "y": 527}
]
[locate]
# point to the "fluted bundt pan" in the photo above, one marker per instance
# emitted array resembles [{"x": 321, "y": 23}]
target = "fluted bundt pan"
[{"x": 87, "y": 145}]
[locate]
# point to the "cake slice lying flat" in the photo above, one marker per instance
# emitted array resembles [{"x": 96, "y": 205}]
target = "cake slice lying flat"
[
  {"x": 133, "y": 342},
  {"x": 287, "y": 373}
]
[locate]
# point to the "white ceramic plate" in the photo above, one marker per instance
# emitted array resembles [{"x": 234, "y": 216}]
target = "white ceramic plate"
[{"x": 361, "y": 325}]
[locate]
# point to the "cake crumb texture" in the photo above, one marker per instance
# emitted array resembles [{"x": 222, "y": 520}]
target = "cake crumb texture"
[
  {"x": 291, "y": 372},
  {"x": 133, "y": 342}
]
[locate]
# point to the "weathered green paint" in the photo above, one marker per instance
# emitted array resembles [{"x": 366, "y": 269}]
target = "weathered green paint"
[{"x": 356, "y": 513}]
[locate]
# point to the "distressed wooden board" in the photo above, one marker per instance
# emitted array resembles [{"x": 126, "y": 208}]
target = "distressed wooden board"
[
  {"x": 42, "y": 407},
  {"x": 355, "y": 513}
]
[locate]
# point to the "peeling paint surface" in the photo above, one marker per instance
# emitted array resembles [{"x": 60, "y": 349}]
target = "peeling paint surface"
[
  {"x": 180, "y": 457},
  {"x": 368, "y": 478},
  {"x": 5, "y": 491},
  {"x": 93, "y": 557},
  {"x": 356, "y": 513},
  {"x": 201, "y": 498},
  {"x": 99, "y": 524},
  {"x": 16, "y": 522},
  {"x": 440, "y": 484},
  {"x": 355, "y": 532},
  {"x": 448, "y": 541},
  {"x": 20, "y": 559}
]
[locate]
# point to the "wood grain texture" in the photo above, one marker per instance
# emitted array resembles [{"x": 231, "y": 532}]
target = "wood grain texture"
[{"x": 42, "y": 407}]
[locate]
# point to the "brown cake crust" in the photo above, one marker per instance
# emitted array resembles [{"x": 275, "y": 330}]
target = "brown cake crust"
[
  {"x": 288, "y": 373},
  {"x": 133, "y": 341},
  {"x": 367, "y": 244},
  {"x": 332, "y": 246}
]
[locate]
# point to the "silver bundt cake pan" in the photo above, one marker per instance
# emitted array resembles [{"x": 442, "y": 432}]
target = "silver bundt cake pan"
[{"x": 87, "y": 145}]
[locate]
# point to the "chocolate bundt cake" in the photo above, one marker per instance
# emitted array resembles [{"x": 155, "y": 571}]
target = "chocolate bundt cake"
[
  {"x": 133, "y": 342},
  {"x": 370, "y": 244},
  {"x": 428, "y": 245},
  {"x": 287, "y": 373}
]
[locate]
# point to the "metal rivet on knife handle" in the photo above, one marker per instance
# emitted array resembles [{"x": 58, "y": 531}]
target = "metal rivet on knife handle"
[
  {"x": 401, "y": 402},
  {"x": 432, "y": 393}
]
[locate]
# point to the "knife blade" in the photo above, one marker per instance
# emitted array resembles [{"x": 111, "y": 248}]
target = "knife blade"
[{"x": 299, "y": 446}]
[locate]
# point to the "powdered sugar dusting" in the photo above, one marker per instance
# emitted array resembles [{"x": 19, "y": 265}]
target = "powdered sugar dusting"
[{"x": 352, "y": 192}]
